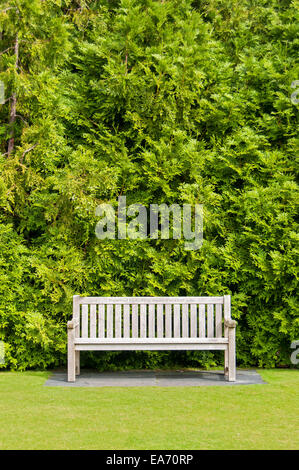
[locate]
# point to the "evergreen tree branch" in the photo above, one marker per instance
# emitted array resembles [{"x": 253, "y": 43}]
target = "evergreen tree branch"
[
  {"x": 9, "y": 8},
  {"x": 3, "y": 52},
  {"x": 13, "y": 108},
  {"x": 26, "y": 151}
]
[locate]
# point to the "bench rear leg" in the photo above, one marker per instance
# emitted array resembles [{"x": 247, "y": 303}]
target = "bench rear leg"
[
  {"x": 77, "y": 362},
  {"x": 226, "y": 362},
  {"x": 71, "y": 357}
]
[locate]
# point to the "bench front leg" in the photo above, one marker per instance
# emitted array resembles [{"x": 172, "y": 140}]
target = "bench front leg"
[
  {"x": 226, "y": 353},
  {"x": 71, "y": 356},
  {"x": 231, "y": 352}
]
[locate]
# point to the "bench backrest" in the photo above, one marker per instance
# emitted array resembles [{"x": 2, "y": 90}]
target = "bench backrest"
[{"x": 150, "y": 317}]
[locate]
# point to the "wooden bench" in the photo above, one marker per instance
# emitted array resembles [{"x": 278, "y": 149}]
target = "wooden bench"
[{"x": 153, "y": 324}]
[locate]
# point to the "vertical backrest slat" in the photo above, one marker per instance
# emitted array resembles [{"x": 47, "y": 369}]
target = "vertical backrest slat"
[
  {"x": 226, "y": 307},
  {"x": 226, "y": 312},
  {"x": 160, "y": 328},
  {"x": 76, "y": 314},
  {"x": 135, "y": 321},
  {"x": 101, "y": 321},
  {"x": 218, "y": 320},
  {"x": 168, "y": 321},
  {"x": 109, "y": 321},
  {"x": 193, "y": 321},
  {"x": 185, "y": 321},
  {"x": 210, "y": 320},
  {"x": 202, "y": 321},
  {"x": 93, "y": 321},
  {"x": 176, "y": 321},
  {"x": 151, "y": 321},
  {"x": 117, "y": 333},
  {"x": 84, "y": 315},
  {"x": 126, "y": 321},
  {"x": 143, "y": 320}
]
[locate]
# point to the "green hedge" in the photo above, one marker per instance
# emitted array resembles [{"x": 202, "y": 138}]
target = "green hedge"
[{"x": 165, "y": 102}]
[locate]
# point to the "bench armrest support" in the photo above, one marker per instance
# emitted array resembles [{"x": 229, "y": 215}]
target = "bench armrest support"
[{"x": 230, "y": 323}]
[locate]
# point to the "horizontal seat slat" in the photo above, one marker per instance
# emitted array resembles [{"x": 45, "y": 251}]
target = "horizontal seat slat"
[{"x": 150, "y": 340}]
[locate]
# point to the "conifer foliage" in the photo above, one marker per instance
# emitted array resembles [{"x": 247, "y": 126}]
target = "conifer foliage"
[{"x": 173, "y": 101}]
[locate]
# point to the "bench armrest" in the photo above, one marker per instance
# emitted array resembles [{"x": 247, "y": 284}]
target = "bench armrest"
[
  {"x": 230, "y": 323},
  {"x": 72, "y": 324}
]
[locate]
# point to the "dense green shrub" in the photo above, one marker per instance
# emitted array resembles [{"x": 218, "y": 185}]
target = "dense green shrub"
[{"x": 174, "y": 101}]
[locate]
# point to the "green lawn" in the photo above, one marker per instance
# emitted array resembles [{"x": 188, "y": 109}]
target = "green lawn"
[{"x": 33, "y": 416}]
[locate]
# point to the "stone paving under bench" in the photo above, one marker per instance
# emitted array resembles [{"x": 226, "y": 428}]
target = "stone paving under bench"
[{"x": 148, "y": 378}]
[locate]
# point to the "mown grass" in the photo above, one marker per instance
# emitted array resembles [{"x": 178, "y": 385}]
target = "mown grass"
[{"x": 33, "y": 416}]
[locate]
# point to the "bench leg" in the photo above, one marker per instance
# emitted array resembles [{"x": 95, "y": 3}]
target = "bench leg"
[
  {"x": 71, "y": 356},
  {"x": 231, "y": 354},
  {"x": 226, "y": 362},
  {"x": 226, "y": 355},
  {"x": 77, "y": 362}
]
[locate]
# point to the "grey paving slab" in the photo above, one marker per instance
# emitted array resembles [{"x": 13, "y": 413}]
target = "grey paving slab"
[{"x": 158, "y": 378}]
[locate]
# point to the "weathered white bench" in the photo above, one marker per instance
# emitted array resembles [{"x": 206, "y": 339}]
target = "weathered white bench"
[{"x": 151, "y": 323}]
